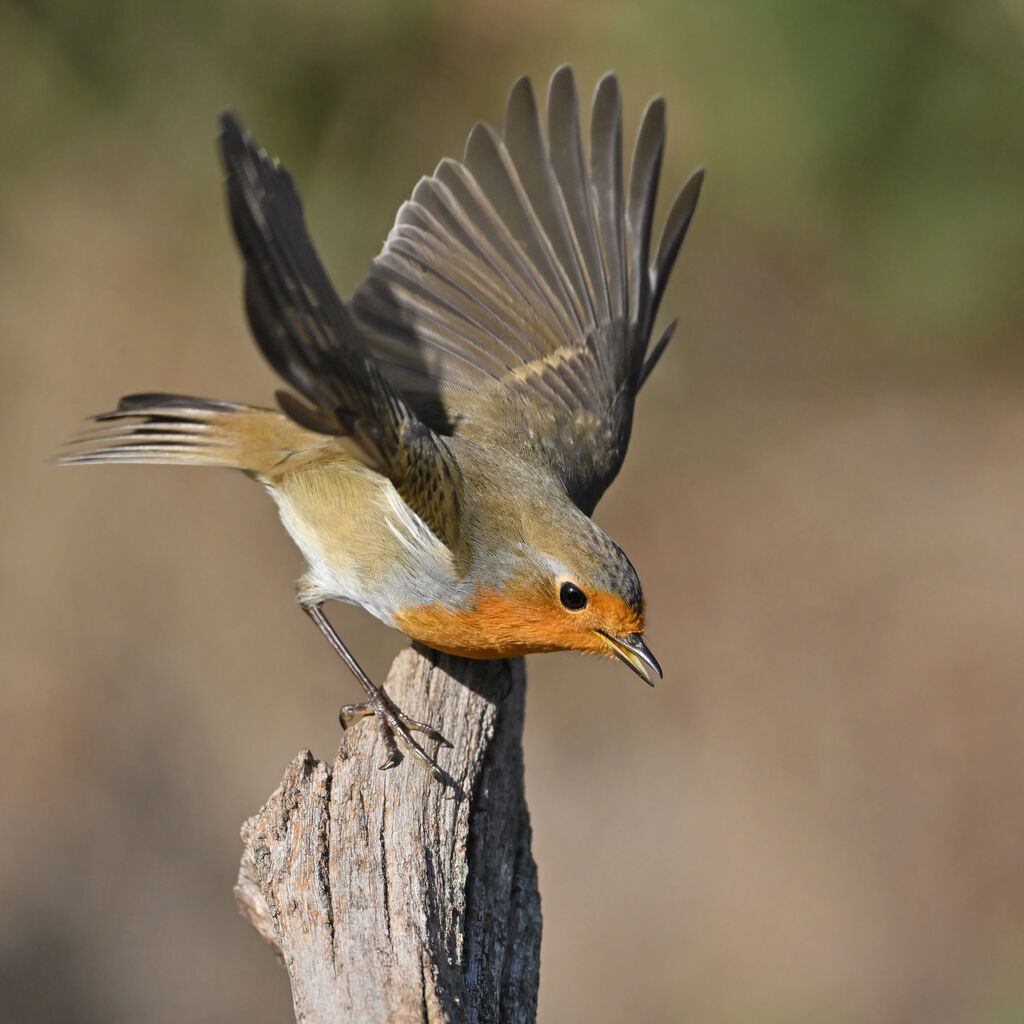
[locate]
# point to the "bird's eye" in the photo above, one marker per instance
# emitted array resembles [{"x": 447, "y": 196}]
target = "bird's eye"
[{"x": 572, "y": 597}]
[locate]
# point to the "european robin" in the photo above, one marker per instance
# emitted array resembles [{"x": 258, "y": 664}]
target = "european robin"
[{"x": 452, "y": 426}]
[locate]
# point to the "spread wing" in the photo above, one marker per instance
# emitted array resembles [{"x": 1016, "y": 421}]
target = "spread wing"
[
  {"x": 309, "y": 337},
  {"x": 514, "y": 299}
]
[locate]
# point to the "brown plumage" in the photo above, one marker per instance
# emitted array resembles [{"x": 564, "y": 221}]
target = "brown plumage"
[{"x": 452, "y": 427}]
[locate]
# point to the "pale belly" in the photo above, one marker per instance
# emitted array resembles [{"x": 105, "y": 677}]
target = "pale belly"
[{"x": 361, "y": 542}]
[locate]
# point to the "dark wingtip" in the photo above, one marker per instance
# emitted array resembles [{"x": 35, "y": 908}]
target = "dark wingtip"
[
  {"x": 608, "y": 91},
  {"x": 233, "y": 140},
  {"x": 563, "y": 78},
  {"x": 678, "y": 224},
  {"x": 232, "y": 135},
  {"x": 522, "y": 82},
  {"x": 482, "y": 139},
  {"x": 521, "y": 97},
  {"x": 655, "y": 108},
  {"x": 692, "y": 189}
]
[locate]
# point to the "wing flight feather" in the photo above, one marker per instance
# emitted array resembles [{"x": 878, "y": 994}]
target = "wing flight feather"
[{"x": 517, "y": 285}]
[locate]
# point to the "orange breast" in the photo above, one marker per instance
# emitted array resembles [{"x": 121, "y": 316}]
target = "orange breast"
[
  {"x": 506, "y": 624},
  {"x": 496, "y": 627}
]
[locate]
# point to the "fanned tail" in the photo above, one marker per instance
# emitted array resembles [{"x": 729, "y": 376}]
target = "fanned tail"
[{"x": 177, "y": 429}]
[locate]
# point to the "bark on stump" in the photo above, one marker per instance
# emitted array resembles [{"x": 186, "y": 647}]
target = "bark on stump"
[{"x": 393, "y": 898}]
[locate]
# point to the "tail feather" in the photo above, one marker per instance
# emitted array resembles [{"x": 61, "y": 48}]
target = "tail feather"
[{"x": 176, "y": 429}]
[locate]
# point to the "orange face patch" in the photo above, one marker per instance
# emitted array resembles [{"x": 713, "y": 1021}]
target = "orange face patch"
[{"x": 506, "y": 624}]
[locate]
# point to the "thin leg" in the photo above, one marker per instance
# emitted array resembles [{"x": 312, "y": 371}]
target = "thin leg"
[{"x": 392, "y": 720}]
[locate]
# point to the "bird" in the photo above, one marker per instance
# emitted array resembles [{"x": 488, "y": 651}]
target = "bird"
[{"x": 447, "y": 432}]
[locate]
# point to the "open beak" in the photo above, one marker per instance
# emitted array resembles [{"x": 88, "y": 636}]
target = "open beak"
[{"x": 634, "y": 652}]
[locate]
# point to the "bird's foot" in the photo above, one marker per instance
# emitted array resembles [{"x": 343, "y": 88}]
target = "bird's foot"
[{"x": 395, "y": 723}]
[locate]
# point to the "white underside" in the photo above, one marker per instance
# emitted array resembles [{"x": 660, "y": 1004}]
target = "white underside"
[{"x": 418, "y": 571}]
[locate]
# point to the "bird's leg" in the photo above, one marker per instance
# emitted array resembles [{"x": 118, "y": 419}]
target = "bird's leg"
[{"x": 392, "y": 720}]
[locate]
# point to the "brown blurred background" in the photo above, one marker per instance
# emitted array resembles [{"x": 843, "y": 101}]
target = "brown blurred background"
[{"x": 819, "y": 814}]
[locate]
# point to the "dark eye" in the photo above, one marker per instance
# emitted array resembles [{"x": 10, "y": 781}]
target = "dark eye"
[{"x": 572, "y": 597}]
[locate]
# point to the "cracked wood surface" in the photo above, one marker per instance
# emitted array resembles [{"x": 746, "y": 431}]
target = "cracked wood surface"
[{"x": 393, "y": 898}]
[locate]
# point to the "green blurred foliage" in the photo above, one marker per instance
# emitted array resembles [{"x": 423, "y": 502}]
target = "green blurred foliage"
[{"x": 885, "y": 139}]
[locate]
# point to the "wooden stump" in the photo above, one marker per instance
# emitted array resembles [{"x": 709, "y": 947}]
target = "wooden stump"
[{"x": 392, "y": 897}]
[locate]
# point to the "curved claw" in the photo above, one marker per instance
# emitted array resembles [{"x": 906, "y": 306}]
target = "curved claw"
[{"x": 395, "y": 724}]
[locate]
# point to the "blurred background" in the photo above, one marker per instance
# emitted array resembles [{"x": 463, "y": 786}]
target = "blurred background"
[{"x": 818, "y": 815}]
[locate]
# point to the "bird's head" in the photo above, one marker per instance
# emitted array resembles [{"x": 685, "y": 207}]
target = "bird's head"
[
  {"x": 591, "y": 597},
  {"x": 569, "y": 587}
]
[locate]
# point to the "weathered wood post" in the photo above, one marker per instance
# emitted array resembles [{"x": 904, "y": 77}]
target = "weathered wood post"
[{"x": 389, "y": 896}]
